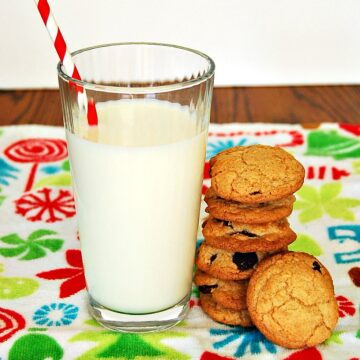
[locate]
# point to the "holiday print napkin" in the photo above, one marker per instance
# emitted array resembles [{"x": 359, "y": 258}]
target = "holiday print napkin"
[{"x": 43, "y": 311}]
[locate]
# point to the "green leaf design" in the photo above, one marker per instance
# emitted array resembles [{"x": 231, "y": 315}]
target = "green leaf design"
[
  {"x": 36, "y": 347},
  {"x": 195, "y": 291},
  {"x": 356, "y": 166},
  {"x": 308, "y": 193},
  {"x": 334, "y": 338},
  {"x": 37, "y": 329},
  {"x": 130, "y": 346},
  {"x": 300, "y": 205},
  {"x": 66, "y": 165},
  {"x": 11, "y": 252},
  {"x": 155, "y": 340},
  {"x": 305, "y": 243},
  {"x": 111, "y": 345},
  {"x": 325, "y": 200},
  {"x": 345, "y": 202},
  {"x": 40, "y": 233},
  {"x": 339, "y": 212},
  {"x": 63, "y": 179},
  {"x": 2, "y": 197},
  {"x": 90, "y": 335},
  {"x": 311, "y": 214},
  {"x": 34, "y": 247},
  {"x": 12, "y": 239},
  {"x": 93, "y": 322},
  {"x": 51, "y": 244},
  {"x": 330, "y": 191},
  {"x": 331, "y": 143},
  {"x": 34, "y": 252}
]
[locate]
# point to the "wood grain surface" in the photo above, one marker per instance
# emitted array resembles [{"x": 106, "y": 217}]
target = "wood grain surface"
[{"x": 296, "y": 104}]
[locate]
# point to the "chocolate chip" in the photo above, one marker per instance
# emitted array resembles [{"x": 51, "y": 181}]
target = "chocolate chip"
[
  {"x": 212, "y": 258},
  {"x": 204, "y": 223},
  {"x": 316, "y": 266},
  {"x": 243, "y": 232},
  {"x": 245, "y": 261},
  {"x": 207, "y": 289},
  {"x": 247, "y": 233},
  {"x": 255, "y": 193}
]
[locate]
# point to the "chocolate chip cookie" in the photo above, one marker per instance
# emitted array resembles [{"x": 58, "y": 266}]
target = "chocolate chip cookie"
[
  {"x": 227, "y": 293},
  {"x": 255, "y": 174},
  {"x": 291, "y": 300},
  {"x": 227, "y": 265},
  {"x": 235, "y": 236},
  {"x": 224, "y": 315},
  {"x": 248, "y": 213}
]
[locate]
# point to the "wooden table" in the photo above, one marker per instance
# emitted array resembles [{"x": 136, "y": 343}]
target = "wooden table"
[{"x": 296, "y": 104}]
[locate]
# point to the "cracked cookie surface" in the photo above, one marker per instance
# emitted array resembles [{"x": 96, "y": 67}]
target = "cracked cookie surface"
[
  {"x": 291, "y": 300},
  {"x": 227, "y": 293},
  {"x": 235, "y": 236},
  {"x": 248, "y": 213},
  {"x": 224, "y": 315},
  {"x": 254, "y": 174},
  {"x": 228, "y": 265}
]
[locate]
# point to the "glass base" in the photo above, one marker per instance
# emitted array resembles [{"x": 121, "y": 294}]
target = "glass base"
[{"x": 139, "y": 323}]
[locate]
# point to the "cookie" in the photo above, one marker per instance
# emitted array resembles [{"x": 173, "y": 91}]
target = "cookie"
[
  {"x": 234, "y": 236},
  {"x": 224, "y": 315},
  {"x": 291, "y": 300},
  {"x": 248, "y": 213},
  {"x": 255, "y": 174},
  {"x": 227, "y": 265},
  {"x": 227, "y": 293}
]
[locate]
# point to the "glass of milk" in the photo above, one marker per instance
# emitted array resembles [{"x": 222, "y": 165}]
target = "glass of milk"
[{"x": 137, "y": 176}]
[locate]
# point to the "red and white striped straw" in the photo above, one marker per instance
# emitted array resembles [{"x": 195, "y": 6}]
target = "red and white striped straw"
[{"x": 64, "y": 54}]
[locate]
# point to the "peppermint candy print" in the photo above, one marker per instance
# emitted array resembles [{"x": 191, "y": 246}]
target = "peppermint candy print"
[
  {"x": 10, "y": 323},
  {"x": 49, "y": 205}
]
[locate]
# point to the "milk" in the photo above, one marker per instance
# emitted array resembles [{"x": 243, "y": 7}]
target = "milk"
[{"x": 137, "y": 180}]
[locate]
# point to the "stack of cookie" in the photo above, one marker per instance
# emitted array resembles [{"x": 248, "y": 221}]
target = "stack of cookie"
[{"x": 251, "y": 196}]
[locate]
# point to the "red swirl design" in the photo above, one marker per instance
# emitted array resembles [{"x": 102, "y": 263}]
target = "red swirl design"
[
  {"x": 10, "y": 323},
  {"x": 37, "y": 150}
]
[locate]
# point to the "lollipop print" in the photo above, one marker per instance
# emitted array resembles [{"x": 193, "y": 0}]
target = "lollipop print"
[{"x": 36, "y": 151}]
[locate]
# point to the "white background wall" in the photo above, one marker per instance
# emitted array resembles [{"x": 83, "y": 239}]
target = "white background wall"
[{"x": 253, "y": 42}]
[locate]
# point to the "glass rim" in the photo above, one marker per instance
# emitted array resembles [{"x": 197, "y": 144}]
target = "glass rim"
[{"x": 140, "y": 89}]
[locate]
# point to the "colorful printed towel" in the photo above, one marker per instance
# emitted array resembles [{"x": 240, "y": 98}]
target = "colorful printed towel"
[{"x": 43, "y": 311}]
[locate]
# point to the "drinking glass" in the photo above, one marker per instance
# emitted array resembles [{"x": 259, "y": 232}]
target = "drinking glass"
[{"x": 137, "y": 175}]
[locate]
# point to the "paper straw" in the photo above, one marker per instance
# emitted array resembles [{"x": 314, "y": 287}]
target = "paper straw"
[{"x": 65, "y": 57}]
